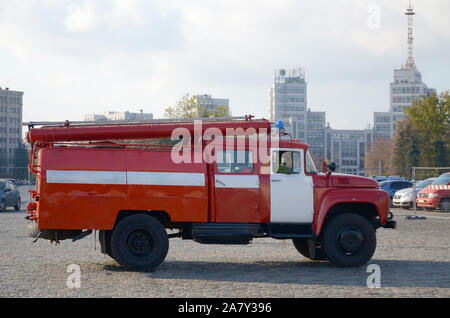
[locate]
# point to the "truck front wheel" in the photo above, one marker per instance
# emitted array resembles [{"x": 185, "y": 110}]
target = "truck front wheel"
[
  {"x": 349, "y": 240},
  {"x": 139, "y": 242}
]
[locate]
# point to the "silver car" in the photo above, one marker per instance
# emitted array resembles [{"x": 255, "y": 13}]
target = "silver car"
[
  {"x": 405, "y": 198},
  {"x": 9, "y": 195}
]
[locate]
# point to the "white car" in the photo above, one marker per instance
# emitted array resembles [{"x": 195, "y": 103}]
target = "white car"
[{"x": 405, "y": 198}]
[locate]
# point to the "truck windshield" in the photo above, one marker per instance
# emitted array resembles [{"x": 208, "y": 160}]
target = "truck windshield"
[
  {"x": 442, "y": 180},
  {"x": 310, "y": 167}
]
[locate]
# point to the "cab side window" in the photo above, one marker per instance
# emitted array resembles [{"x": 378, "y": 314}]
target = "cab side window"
[
  {"x": 232, "y": 161},
  {"x": 286, "y": 162}
]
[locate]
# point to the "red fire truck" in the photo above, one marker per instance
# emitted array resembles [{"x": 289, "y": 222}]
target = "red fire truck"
[{"x": 94, "y": 177}]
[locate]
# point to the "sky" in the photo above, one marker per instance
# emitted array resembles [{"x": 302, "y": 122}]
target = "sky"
[{"x": 84, "y": 56}]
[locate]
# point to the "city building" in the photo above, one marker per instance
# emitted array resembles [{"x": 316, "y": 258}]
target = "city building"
[
  {"x": 11, "y": 106},
  {"x": 382, "y": 127},
  {"x": 348, "y": 149},
  {"x": 288, "y": 103},
  {"x": 209, "y": 105},
  {"x": 118, "y": 116}
]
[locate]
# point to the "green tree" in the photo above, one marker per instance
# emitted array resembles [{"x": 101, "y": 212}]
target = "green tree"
[
  {"x": 189, "y": 107},
  {"x": 21, "y": 157},
  {"x": 423, "y": 136},
  {"x": 406, "y": 148}
]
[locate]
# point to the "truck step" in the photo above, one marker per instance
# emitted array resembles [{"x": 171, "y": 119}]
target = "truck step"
[
  {"x": 291, "y": 231},
  {"x": 226, "y": 233}
]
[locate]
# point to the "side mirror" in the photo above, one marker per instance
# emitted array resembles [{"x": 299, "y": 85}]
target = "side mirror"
[{"x": 331, "y": 167}]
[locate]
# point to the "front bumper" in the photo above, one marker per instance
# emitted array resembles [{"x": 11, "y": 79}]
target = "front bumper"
[
  {"x": 390, "y": 223},
  {"x": 432, "y": 203},
  {"x": 402, "y": 204}
]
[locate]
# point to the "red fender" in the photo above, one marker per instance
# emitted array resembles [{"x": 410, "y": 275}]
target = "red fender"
[{"x": 378, "y": 198}]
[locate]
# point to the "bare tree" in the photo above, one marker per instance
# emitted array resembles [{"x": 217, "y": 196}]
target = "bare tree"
[{"x": 379, "y": 157}]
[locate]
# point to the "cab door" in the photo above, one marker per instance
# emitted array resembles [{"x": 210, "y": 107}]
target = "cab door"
[
  {"x": 236, "y": 193},
  {"x": 291, "y": 190}
]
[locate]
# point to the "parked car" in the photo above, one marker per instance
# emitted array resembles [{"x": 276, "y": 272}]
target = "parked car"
[
  {"x": 392, "y": 186},
  {"x": 387, "y": 178},
  {"x": 9, "y": 195},
  {"x": 436, "y": 195},
  {"x": 405, "y": 198}
]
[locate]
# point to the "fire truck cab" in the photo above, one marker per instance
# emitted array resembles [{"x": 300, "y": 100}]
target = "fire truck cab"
[{"x": 226, "y": 191}]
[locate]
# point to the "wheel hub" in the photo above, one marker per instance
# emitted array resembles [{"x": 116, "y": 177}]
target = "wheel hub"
[
  {"x": 140, "y": 243},
  {"x": 350, "y": 239}
]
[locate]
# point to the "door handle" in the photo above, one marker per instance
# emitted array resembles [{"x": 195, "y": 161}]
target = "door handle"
[
  {"x": 221, "y": 183},
  {"x": 275, "y": 180}
]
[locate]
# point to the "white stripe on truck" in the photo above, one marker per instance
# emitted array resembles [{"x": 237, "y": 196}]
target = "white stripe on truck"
[
  {"x": 166, "y": 178},
  {"x": 121, "y": 178},
  {"x": 86, "y": 177}
]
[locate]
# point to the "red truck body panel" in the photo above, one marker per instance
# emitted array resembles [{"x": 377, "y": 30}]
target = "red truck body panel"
[{"x": 92, "y": 205}]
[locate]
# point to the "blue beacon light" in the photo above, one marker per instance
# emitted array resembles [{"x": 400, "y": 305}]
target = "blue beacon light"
[{"x": 280, "y": 125}]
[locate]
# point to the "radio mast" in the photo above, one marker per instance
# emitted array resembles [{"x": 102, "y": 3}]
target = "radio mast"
[{"x": 410, "y": 65}]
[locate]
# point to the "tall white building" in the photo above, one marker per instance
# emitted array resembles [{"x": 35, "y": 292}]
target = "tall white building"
[
  {"x": 287, "y": 101},
  {"x": 406, "y": 87},
  {"x": 11, "y": 105}
]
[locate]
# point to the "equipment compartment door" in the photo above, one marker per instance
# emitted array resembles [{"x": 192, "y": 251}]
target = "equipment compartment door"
[{"x": 237, "y": 192}]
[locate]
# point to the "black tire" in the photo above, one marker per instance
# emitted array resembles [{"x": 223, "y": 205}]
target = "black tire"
[
  {"x": 302, "y": 247},
  {"x": 349, "y": 240},
  {"x": 33, "y": 229},
  {"x": 106, "y": 235},
  {"x": 3, "y": 206},
  {"x": 139, "y": 242},
  {"x": 444, "y": 205},
  {"x": 18, "y": 205}
]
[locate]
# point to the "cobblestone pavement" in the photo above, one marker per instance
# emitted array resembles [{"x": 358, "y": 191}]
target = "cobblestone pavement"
[{"x": 414, "y": 260}]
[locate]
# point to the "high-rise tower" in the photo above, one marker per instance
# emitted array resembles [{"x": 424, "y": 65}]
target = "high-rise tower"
[{"x": 406, "y": 87}]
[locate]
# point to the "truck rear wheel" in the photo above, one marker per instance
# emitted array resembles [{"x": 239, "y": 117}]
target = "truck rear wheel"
[
  {"x": 105, "y": 240},
  {"x": 349, "y": 240},
  {"x": 303, "y": 247},
  {"x": 139, "y": 242}
]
